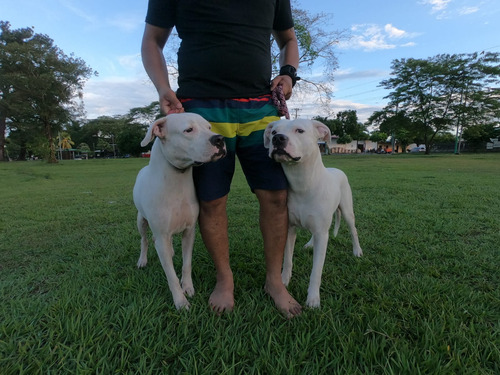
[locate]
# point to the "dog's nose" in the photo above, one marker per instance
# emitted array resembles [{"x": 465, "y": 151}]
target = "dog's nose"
[
  {"x": 217, "y": 140},
  {"x": 280, "y": 140}
]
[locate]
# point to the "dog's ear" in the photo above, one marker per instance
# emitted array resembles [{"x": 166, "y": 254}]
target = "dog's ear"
[
  {"x": 324, "y": 132},
  {"x": 267, "y": 135},
  {"x": 158, "y": 129}
]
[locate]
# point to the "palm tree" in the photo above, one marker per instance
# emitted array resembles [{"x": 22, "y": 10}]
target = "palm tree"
[{"x": 65, "y": 141}]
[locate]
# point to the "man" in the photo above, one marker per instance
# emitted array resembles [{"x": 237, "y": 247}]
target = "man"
[{"x": 224, "y": 74}]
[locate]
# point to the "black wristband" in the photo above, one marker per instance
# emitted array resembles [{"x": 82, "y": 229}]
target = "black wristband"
[{"x": 289, "y": 70}]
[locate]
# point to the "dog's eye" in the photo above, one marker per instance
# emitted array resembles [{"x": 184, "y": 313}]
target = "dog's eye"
[
  {"x": 300, "y": 131},
  {"x": 188, "y": 130},
  {"x": 273, "y": 132}
]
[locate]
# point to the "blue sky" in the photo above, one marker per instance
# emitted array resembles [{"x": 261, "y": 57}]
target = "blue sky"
[{"x": 107, "y": 35}]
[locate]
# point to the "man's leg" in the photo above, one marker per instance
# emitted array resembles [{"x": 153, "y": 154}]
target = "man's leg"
[
  {"x": 213, "y": 228},
  {"x": 274, "y": 227}
]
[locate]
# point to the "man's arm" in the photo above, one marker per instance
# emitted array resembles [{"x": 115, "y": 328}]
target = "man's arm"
[
  {"x": 289, "y": 55},
  {"x": 153, "y": 42}
]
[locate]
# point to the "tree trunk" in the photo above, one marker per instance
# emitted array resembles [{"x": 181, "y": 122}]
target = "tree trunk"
[
  {"x": 3, "y": 128},
  {"x": 52, "y": 148},
  {"x": 22, "y": 152}
]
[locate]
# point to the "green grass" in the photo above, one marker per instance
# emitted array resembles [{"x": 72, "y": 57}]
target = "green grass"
[{"x": 424, "y": 298}]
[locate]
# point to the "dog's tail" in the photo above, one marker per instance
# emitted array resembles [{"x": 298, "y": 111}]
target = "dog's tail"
[{"x": 337, "y": 222}]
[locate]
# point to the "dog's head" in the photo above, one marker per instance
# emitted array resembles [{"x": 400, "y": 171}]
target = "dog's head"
[
  {"x": 185, "y": 139},
  {"x": 292, "y": 141}
]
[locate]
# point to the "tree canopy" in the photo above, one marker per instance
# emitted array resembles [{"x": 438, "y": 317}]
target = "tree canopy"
[
  {"x": 40, "y": 86},
  {"x": 442, "y": 92},
  {"x": 346, "y": 126}
]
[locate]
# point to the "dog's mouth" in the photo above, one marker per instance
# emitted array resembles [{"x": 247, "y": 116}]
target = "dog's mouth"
[
  {"x": 222, "y": 152},
  {"x": 279, "y": 153},
  {"x": 218, "y": 155}
]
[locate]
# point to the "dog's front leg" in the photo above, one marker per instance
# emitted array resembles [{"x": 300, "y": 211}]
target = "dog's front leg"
[
  {"x": 286, "y": 273},
  {"x": 187, "y": 255},
  {"x": 165, "y": 252},
  {"x": 319, "y": 254}
]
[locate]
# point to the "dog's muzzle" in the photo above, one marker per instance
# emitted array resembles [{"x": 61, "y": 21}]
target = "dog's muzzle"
[
  {"x": 218, "y": 141},
  {"x": 280, "y": 141}
]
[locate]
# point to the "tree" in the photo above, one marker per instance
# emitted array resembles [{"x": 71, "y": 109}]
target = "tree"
[
  {"x": 10, "y": 99},
  {"x": 129, "y": 139},
  {"x": 417, "y": 89},
  {"x": 65, "y": 141},
  {"x": 479, "y": 102},
  {"x": 477, "y": 136},
  {"x": 144, "y": 115},
  {"x": 48, "y": 81},
  {"x": 397, "y": 125},
  {"x": 120, "y": 134},
  {"x": 378, "y": 136},
  {"x": 348, "y": 127},
  {"x": 445, "y": 90},
  {"x": 83, "y": 147}
]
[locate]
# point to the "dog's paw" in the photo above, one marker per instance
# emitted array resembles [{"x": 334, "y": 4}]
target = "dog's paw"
[
  {"x": 313, "y": 301},
  {"x": 285, "y": 278},
  {"x": 182, "y": 303},
  {"x": 357, "y": 252},
  {"x": 142, "y": 262},
  {"x": 187, "y": 286},
  {"x": 188, "y": 290}
]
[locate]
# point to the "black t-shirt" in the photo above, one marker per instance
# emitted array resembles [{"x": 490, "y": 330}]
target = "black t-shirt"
[{"x": 225, "y": 49}]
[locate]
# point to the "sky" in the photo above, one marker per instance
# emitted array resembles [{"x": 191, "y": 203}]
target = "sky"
[{"x": 107, "y": 34}]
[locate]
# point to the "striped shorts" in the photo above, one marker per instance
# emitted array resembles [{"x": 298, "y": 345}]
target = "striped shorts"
[{"x": 242, "y": 123}]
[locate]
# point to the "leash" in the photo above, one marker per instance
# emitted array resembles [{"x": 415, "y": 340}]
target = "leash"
[{"x": 279, "y": 102}]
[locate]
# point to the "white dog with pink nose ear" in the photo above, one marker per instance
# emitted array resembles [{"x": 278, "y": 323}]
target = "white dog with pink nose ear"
[
  {"x": 164, "y": 192},
  {"x": 315, "y": 193}
]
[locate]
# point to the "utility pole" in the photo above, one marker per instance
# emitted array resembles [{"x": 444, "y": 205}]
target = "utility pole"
[{"x": 296, "y": 112}]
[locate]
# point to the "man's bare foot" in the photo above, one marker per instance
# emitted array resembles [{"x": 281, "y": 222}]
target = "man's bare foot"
[
  {"x": 284, "y": 302},
  {"x": 222, "y": 298}
]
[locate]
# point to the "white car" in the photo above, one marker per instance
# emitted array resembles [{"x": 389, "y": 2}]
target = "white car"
[{"x": 420, "y": 148}]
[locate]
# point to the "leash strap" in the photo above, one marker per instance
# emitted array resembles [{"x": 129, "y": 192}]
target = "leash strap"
[{"x": 280, "y": 102}]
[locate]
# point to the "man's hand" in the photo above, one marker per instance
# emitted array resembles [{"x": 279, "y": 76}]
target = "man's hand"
[
  {"x": 169, "y": 103},
  {"x": 285, "y": 82}
]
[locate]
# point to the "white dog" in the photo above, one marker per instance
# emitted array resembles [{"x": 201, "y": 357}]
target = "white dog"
[
  {"x": 164, "y": 192},
  {"x": 315, "y": 193}
]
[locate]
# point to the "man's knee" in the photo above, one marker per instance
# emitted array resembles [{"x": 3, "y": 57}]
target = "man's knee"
[
  {"x": 275, "y": 199},
  {"x": 214, "y": 207}
]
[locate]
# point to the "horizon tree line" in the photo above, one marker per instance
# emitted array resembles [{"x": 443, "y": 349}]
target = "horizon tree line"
[{"x": 41, "y": 91}]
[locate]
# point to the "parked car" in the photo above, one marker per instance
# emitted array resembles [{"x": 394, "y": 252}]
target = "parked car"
[{"x": 420, "y": 148}]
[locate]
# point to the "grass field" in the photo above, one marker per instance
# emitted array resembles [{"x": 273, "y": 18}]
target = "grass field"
[{"x": 424, "y": 298}]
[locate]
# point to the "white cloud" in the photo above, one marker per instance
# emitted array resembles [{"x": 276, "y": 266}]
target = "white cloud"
[
  {"x": 372, "y": 37},
  {"x": 468, "y": 10},
  {"x": 437, "y": 5},
  {"x": 394, "y": 32},
  {"x": 116, "y": 96}
]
